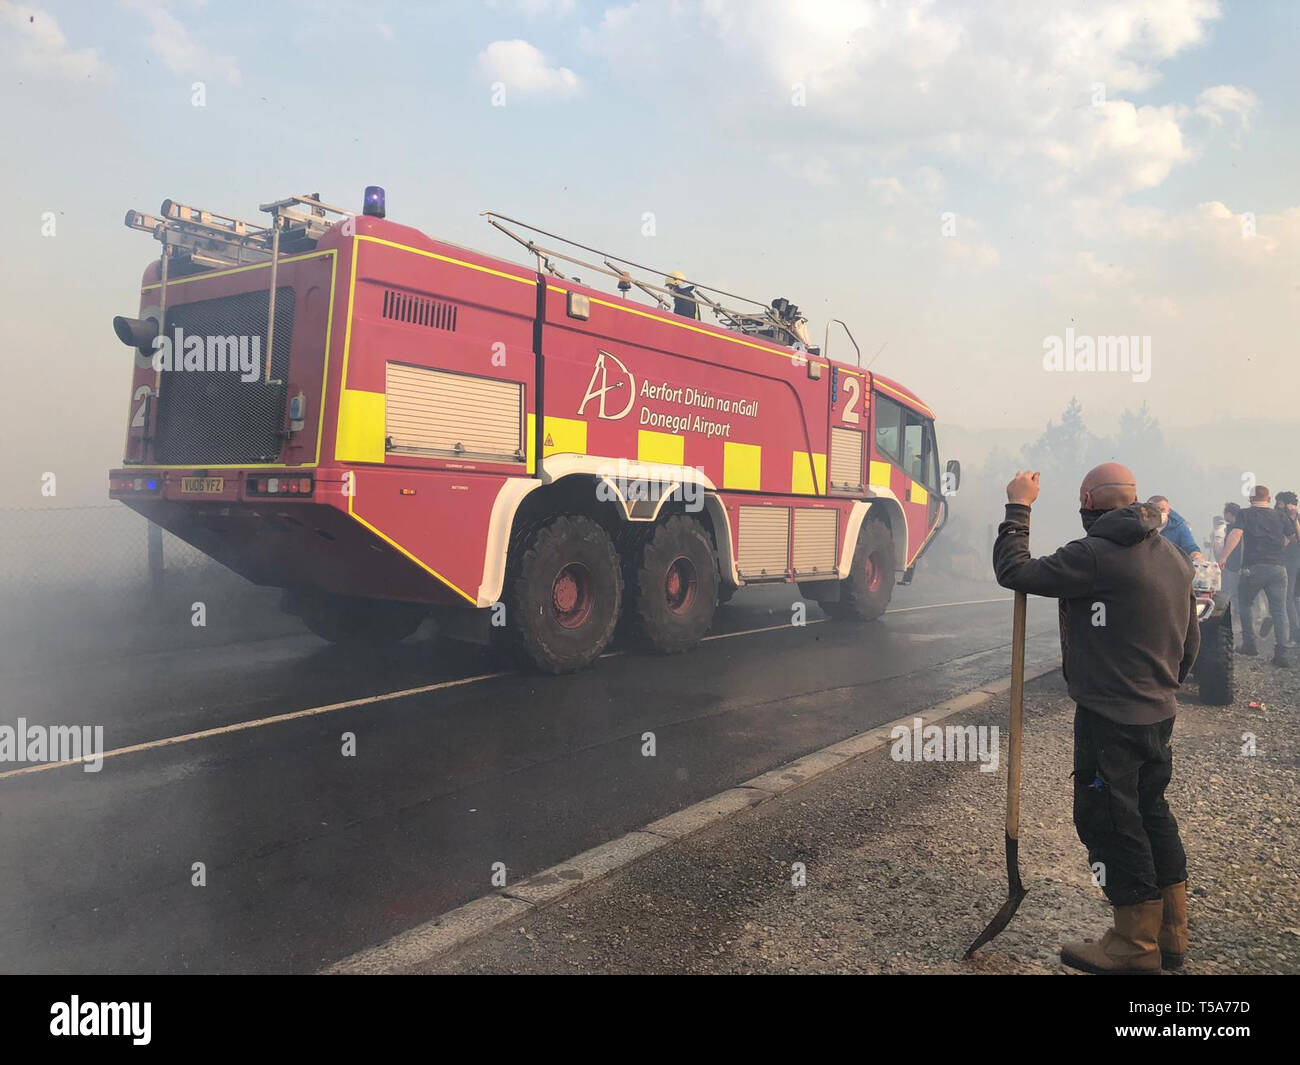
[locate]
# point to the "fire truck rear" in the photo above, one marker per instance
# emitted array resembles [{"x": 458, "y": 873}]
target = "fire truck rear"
[{"x": 386, "y": 426}]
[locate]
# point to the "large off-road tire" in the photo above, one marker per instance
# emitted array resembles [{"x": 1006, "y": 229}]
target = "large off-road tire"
[
  {"x": 1214, "y": 663},
  {"x": 866, "y": 591},
  {"x": 354, "y": 622},
  {"x": 563, "y": 594},
  {"x": 671, "y": 577}
]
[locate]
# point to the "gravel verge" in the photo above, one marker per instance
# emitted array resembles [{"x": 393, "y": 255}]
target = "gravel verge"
[{"x": 904, "y": 863}]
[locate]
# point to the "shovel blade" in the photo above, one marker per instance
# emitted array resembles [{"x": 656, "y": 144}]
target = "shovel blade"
[
  {"x": 1000, "y": 920},
  {"x": 1016, "y": 892}
]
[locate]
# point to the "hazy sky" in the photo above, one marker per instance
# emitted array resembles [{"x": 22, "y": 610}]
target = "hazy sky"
[{"x": 959, "y": 182}]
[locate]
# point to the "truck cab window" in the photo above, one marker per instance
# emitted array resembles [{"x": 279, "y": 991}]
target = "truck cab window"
[
  {"x": 889, "y": 418},
  {"x": 931, "y": 447},
  {"x": 914, "y": 447}
]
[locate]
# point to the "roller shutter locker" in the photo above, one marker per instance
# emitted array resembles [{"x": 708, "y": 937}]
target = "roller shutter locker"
[
  {"x": 815, "y": 541},
  {"x": 764, "y": 541},
  {"x": 436, "y": 412},
  {"x": 846, "y": 461}
]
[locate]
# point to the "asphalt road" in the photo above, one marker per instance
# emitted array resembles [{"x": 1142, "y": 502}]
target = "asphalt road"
[{"x": 311, "y": 855}]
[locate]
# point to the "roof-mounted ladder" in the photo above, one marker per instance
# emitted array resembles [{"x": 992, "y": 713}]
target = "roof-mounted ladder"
[
  {"x": 761, "y": 321},
  {"x": 207, "y": 240}
]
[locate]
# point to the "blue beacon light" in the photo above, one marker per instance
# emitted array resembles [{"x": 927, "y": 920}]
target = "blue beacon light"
[{"x": 373, "y": 203}]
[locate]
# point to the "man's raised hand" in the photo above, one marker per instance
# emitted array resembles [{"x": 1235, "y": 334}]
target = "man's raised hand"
[{"x": 1023, "y": 487}]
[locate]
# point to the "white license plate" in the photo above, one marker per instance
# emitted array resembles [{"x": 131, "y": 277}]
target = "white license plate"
[{"x": 208, "y": 486}]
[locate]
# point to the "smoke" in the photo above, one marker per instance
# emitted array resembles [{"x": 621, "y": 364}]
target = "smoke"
[{"x": 1198, "y": 470}]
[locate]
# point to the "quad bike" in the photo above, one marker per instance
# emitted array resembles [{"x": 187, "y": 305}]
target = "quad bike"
[{"x": 1213, "y": 666}]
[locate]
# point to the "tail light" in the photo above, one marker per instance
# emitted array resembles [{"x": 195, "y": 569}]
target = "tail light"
[
  {"x": 280, "y": 486},
  {"x": 135, "y": 484}
]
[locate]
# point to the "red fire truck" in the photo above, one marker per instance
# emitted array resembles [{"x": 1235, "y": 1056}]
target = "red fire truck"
[{"x": 386, "y": 425}]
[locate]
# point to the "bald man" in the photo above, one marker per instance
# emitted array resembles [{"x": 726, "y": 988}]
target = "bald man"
[{"x": 1129, "y": 635}]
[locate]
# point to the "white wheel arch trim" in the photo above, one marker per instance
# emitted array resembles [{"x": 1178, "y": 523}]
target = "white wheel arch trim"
[
  {"x": 498, "y": 538},
  {"x": 555, "y": 467},
  {"x": 609, "y": 471},
  {"x": 884, "y": 498},
  {"x": 722, "y": 533}
]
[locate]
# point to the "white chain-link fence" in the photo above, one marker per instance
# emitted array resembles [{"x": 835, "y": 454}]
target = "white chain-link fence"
[
  {"x": 54, "y": 547},
  {"x": 87, "y": 582}
]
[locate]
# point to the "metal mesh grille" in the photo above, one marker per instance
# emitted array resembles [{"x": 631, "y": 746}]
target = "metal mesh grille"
[{"x": 212, "y": 415}]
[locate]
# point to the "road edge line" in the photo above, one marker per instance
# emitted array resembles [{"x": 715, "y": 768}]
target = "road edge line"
[{"x": 425, "y": 943}]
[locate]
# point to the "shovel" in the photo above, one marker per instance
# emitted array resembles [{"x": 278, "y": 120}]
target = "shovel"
[{"x": 1016, "y": 891}]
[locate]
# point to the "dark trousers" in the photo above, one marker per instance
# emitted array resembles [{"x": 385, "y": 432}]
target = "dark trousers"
[
  {"x": 1271, "y": 580},
  {"x": 1120, "y": 812},
  {"x": 1293, "y": 597}
]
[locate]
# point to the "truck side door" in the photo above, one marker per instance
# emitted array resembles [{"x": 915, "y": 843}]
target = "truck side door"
[{"x": 920, "y": 462}]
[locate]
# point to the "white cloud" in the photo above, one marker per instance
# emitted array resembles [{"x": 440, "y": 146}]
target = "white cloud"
[
  {"x": 173, "y": 43},
  {"x": 1156, "y": 305},
  {"x": 43, "y": 47},
  {"x": 1220, "y": 100},
  {"x": 1216, "y": 230},
  {"x": 1239, "y": 235},
  {"x": 931, "y": 180},
  {"x": 524, "y": 69},
  {"x": 1212, "y": 262},
  {"x": 815, "y": 170},
  {"x": 538, "y": 7},
  {"x": 988, "y": 85},
  {"x": 1118, "y": 148},
  {"x": 887, "y": 190},
  {"x": 1091, "y": 215},
  {"x": 1107, "y": 273},
  {"x": 974, "y": 254}
]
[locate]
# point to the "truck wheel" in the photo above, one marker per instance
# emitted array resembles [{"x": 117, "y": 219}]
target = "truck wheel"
[
  {"x": 360, "y": 622},
  {"x": 866, "y": 591},
  {"x": 672, "y": 585},
  {"x": 1214, "y": 664},
  {"x": 564, "y": 594}
]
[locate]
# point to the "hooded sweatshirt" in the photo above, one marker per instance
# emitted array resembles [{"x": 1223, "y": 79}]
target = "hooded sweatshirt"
[{"x": 1129, "y": 632}]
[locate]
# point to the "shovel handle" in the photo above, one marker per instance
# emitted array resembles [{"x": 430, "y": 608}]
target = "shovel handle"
[{"x": 1018, "y": 613}]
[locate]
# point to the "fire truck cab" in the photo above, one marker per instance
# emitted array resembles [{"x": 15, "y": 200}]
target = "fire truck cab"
[{"x": 386, "y": 425}]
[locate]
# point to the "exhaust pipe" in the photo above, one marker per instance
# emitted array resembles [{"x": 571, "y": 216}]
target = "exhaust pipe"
[{"x": 138, "y": 333}]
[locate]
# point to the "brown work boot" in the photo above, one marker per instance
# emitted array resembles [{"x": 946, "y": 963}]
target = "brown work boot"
[
  {"x": 1129, "y": 947},
  {"x": 1173, "y": 926}
]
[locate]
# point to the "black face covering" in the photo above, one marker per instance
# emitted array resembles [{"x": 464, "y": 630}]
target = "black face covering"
[{"x": 1089, "y": 516}]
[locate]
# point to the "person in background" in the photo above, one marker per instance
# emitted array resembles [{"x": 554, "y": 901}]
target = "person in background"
[
  {"x": 1262, "y": 532},
  {"x": 1286, "y": 502},
  {"x": 683, "y": 295},
  {"x": 1175, "y": 528}
]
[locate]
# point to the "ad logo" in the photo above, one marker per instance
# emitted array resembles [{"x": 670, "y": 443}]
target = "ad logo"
[{"x": 601, "y": 373}]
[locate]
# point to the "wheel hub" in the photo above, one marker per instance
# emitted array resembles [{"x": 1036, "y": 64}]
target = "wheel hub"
[
  {"x": 571, "y": 595},
  {"x": 680, "y": 584},
  {"x": 875, "y": 573}
]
